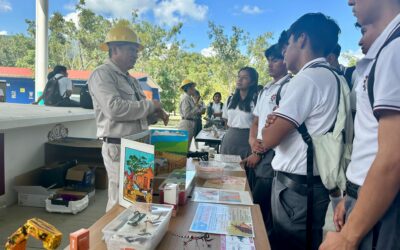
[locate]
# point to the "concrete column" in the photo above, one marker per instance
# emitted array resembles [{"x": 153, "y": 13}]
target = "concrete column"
[{"x": 41, "y": 59}]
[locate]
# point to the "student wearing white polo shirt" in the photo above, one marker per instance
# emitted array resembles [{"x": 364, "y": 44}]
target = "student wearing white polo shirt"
[
  {"x": 238, "y": 113},
  {"x": 261, "y": 159},
  {"x": 372, "y": 204},
  {"x": 310, "y": 98}
]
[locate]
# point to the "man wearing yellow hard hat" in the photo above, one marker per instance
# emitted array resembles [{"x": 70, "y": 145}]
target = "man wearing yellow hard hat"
[
  {"x": 119, "y": 103},
  {"x": 188, "y": 109}
]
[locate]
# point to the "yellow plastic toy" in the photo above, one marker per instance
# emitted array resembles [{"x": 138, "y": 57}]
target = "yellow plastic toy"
[{"x": 37, "y": 228}]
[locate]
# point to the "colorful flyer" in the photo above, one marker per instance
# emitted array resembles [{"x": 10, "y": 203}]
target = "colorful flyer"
[
  {"x": 222, "y": 196},
  {"x": 223, "y": 219},
  {"x": 227, "y": 182},
  {"x": 237, "y": 243}
]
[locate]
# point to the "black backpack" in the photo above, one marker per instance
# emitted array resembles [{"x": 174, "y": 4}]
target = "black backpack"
[
  {"x": 86, "y": 98},
  {"x": 51, "y": 93}
]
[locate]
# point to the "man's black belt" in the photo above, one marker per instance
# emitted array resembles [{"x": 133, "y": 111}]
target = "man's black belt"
[
  {"x": 352, "y": 189},
  {"x": 112, "y": 140},
  {"x": 295, "y": 182},
  {"x": 189, "y": 119}
]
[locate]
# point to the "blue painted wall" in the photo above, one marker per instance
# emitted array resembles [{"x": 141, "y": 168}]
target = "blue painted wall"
[{"x": 19, "y": 90}]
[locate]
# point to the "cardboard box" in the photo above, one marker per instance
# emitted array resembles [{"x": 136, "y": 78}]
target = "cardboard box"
[
  {"x": 80, "y": 177},
  {"x": 30, "y": 192},
  {"x": 55, "y": 172}
]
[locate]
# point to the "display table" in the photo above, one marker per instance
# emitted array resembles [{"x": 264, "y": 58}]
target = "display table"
[
  {"x": 179, "y": 225},
  {"x": 206, "y": 136}
]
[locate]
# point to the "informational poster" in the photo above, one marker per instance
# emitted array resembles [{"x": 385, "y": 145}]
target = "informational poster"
[
  {"x": 227, "y": 182},
  {"x": 237, "y": 243},
  {"x": 223, "y": 219},
  {"x": 171, "y": 147},
  {"x": 222, "y": 196}
]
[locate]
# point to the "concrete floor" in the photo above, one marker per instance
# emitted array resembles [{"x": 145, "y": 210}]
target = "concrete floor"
[{"x": 11, "y": 218}]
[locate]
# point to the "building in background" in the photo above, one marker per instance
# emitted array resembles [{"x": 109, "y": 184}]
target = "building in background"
[{"x": 18, "y": 84}]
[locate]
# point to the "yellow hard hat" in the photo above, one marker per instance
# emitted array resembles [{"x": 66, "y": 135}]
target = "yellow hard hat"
[
  {"x": 186, "y": 82},
  {"x": 121, "y": 33}
]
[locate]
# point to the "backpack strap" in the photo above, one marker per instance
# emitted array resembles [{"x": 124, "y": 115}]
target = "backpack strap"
[
  {"x": 302, "y": 129},
  {"x": 310, "y": 174},
  {"x": 371, "y": 76},
  {"x": 348, "y": 75}
]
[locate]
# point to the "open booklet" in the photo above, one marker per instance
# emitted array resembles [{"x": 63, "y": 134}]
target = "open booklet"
[
  {"x": 213, "y": 195},
  {"x": 223, "y": 219}
]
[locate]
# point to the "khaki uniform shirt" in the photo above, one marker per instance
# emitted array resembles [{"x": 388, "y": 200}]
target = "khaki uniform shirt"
[
  {"x": 119, "y": 103},
  {"x": 188, "y": 108}
]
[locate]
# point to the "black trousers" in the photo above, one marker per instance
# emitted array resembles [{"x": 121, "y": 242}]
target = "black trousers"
[
  {"x": 262, "y": 196},
  {"x": 66, "y": 102},
  {"x": 289, "y": 213}
]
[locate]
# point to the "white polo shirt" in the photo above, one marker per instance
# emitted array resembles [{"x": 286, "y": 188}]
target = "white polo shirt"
[
  {"x": 311, "y": 96},
  {"x": 238, "y": 118},
  {"x": 387, "y": 97},
  {"x": 64, "y": 84},
  {"x": 216, "y": 107},
  {"x": 266, "y": 102}
]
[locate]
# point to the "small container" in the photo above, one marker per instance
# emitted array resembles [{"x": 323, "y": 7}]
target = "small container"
[
  {"x": 79, "y": 240},
  {"x": 141, "y": 226},
  {"x": 209, "y": 170},
  {"x": 67, "y": 203}
]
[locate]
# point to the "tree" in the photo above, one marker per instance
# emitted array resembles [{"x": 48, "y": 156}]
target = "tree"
[
  {"x": 227, "y": 50},
  {"x": 255, "y": 52}
]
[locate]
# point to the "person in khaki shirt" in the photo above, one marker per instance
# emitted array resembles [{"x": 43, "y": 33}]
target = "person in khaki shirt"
[
  {"x": 119, "y": 103},
  {"x": 188, "y": 109}
]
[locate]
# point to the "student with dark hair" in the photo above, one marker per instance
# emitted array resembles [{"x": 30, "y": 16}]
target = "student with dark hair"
[
  {"x": 309, "y": 101},
  {"x": 369, "y": 215},
  {"x": 214, "y": 110},
  {"x": 333, "y": 59},
  {"x": 260, "y": 159},
  {"x": 65, "y": 87},
  {"x": 238, "y": 114}
]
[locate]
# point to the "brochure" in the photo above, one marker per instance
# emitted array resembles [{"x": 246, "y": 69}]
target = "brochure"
[
  {"x": 237, "y": 243},
  {"x": 223, "y": 219},
  {"x": 222, "y": 196},
  {"x": 227, "y": 182}
]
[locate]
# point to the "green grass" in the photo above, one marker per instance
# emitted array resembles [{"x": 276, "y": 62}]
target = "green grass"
[{"x": 178, "y": 147}]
